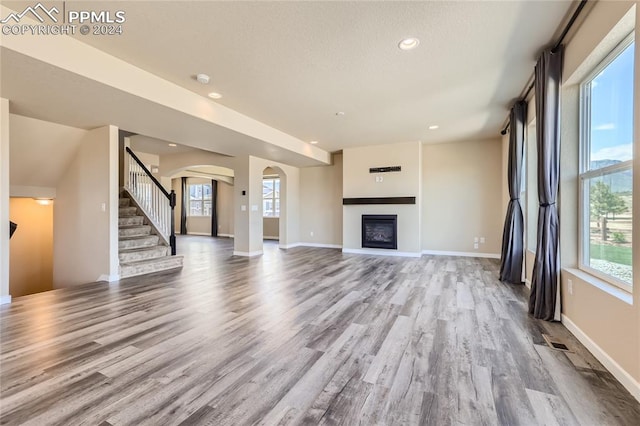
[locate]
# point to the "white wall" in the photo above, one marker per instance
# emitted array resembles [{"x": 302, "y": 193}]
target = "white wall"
[
  {"x": 86, "y": 236},
  {"x": 321, "y": 204},
  {"x": 40, "y": 151},
  {"x": 463, "y": 197},
  {"x": 358, "y": 182},
  {"x": 4, "y": 201}
]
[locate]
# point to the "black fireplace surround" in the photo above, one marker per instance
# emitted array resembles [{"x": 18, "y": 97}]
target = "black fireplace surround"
[{"x": 380, "y": 231}]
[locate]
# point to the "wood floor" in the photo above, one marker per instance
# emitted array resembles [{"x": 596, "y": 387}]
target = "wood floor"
[{"x": 304, "y": 336}]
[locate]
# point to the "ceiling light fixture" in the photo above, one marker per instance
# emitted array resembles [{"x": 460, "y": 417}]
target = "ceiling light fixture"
[
  {"x": 433, "y": 127},
  {"x": 313, "y": 142},
  {"x": 215, "y": 95},
  {"x": 202, "y": 78},
  {"x": 44, "y": 201},
  {"x": 409, "y": 43},
  {"x": 172, "y": 145},
  {"x": 339, "y": 113}
]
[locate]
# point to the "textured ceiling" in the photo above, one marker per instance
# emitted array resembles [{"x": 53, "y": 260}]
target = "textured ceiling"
[{"x": 293, "y": 65}]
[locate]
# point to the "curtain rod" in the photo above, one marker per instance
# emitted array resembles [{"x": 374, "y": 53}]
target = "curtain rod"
[{"x": 566, "y": 30}]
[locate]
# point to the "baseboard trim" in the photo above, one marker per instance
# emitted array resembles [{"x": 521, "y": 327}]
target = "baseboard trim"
[
  {"x": 203, "y": 234},
  {"x": 527, "y": 283},
  {"x": 226, "y": 235},
  {"x": 381, "y": 252},
  {"x": 247, "y": 253},
  {"x": 316, "y": 245},
  {"x": 108, "y": 278},
  {"x": 618, "y": 372},
  {"x": 271, "y": 238},
  {"x": 5, "y": 300},
  {"x": 461, "y": 254}
]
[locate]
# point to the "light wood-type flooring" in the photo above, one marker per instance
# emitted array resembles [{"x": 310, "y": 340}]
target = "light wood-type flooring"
[{"x": 299, "y": 336}]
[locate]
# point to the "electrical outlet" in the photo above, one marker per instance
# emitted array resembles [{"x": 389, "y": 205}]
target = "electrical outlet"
[
  {"x": 570, "y": 285},
  {"x": 475, "y": 240},
  {"x": 482, "y": 240},
  {"x": 311, "y": 233},
  {"x": 475, "y": 246}
]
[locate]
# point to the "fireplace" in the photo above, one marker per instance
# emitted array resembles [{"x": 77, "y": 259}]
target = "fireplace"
[{"x": 380, "y": 231}]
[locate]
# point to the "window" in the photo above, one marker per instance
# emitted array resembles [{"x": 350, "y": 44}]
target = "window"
[
  {"x": 271, "y": 197},
  {"x": 200, "y": 199},
  {"x": 532, "y": 202},
  {"x": 606, "y": 172}
]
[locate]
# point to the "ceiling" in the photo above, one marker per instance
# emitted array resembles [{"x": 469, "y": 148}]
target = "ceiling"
[
  {"x": 155, "y": 146},
  {"x": 293, "y": 65}
]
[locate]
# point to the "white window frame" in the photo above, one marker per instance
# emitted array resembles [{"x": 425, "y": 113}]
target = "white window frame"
[
  {"x": 273, "y": 198},
  {"x": 202, "y": 199},
  {"x": 586, "y": 174}
]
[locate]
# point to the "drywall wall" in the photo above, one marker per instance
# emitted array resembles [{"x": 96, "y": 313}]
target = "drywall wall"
[
  {"x": 271, "y": 228},
  {"x": 321, "y": 203},
  {"x": 31, "y": 248},
  {"x": 462, "y": 196},
  {"x": 41, "y": 151},
  {"x": 358, "y": 182},
  {"x": 606, "y": 322},
  {"x": 5, "y": 297},
  {"x": 86, "y": 213}
]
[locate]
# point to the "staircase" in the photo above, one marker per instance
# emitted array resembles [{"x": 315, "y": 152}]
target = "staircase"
[{"x": 141, "y": 250}]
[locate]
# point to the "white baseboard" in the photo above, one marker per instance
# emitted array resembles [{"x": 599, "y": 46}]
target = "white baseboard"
[
  {"x": 318, "y": 245},
  {"x": 247, "y": 253},
  {"x": 270, "y": 238},
  {"x": 226, "y": 235},
  {"x": 382, "y": 252},
  {"x": 108, "y": 278},
  {"x": 5, "y": 300},
  {"x": 204, "y": 234},
  {"x": 618, "y": 372},
  {"x": 527, "y": 283},
  {"x": 461, "y": 254}
]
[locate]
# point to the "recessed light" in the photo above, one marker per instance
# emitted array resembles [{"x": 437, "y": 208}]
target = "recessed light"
[
  {"x": 172, "y": 145},
  {"x": 215, "y": 95},
  {"x": 44, "y": 201},
  {"x": 313, "y": 142},
  {"x": 202, "y": 78},
  {"x": 339, "y": 113},
  {"x": 409, "y": 43},
  {"x": 433, "y": 127}
]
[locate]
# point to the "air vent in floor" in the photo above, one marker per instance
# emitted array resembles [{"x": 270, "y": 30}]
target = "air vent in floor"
[{"x": 554, "y": 343}]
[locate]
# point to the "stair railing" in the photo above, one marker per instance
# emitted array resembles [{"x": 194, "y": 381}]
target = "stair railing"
[{"x": 158, "y": 204}]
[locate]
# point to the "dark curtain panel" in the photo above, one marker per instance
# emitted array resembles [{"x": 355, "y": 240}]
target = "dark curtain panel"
[
  {"x": 544, "y": 301},
  {"x": 214, "y": 208},
  {"x": 513, "y": 234},
  {"x": 183, "y": 207}
]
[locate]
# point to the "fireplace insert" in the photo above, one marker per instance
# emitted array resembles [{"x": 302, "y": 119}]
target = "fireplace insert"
[{"x": 380, "y": 231}]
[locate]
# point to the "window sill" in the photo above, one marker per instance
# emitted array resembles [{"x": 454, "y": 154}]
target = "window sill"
[{"x": 602, "y": 285}]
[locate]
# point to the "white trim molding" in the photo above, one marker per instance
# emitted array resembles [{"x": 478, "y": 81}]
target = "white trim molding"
[
  {"x": 618, "y": 372},
  {"x": 247, "y": 253},
  {"x": 527, "y": 282},
  {"x": 5, "y": 300},
  {"x": 382, "y": 252},
  {"x": 226, "y": 235},
  {"x": 266, "y": 237},
  {"x": 201, "y": 234},
  {"x": 108, "y": 278},
  {"x": 317, "y": 245},
  {"x": 461, "y": 254}
]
